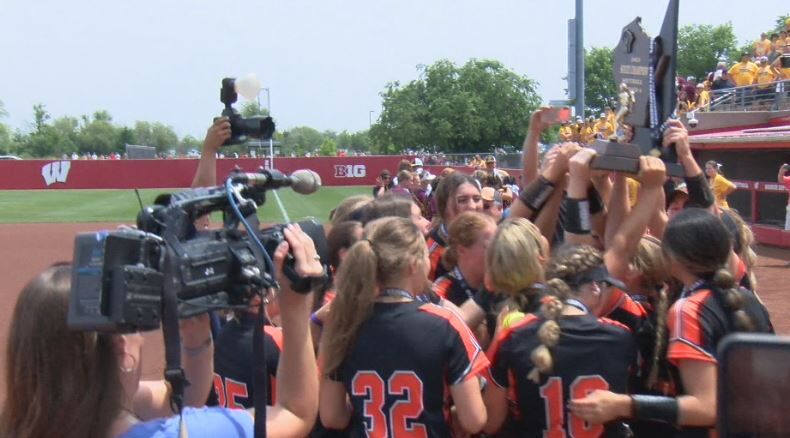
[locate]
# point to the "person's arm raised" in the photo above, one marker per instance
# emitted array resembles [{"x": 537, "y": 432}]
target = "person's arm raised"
[
  {"x": 700, "y": 194},
  {"x": 534, "y": 195},
  {"x": 578, "y": 223},
  {"x": 618, "y": 207},
  {"x": 206, "y": 173},
  {"x": 530, "y": 147},
  {"x": 624, "y": 245},
  {"x": 297, "y": 372}
]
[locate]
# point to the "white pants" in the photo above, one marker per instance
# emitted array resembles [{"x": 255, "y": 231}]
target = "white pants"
[{"x": 787, "y": 219}]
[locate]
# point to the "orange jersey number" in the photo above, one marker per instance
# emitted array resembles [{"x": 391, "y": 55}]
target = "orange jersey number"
[
  {"x": 554, "y": 400},
  {"x": 405, "y": 384}
]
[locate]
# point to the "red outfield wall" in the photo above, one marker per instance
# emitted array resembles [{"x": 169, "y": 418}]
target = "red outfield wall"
[{"x": 155, "y": 174}]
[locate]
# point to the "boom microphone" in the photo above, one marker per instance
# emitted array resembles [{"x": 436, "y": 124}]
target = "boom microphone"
[{"x": 302, "y": 181}]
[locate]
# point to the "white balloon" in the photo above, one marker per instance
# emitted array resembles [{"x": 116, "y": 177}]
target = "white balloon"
[{"x": 248, "y": 86}]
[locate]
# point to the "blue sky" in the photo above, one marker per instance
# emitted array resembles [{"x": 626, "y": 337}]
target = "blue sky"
[{"x": 325, "y": 62}]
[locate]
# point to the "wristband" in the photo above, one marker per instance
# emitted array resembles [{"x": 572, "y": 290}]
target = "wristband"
[
  {"x": 314, "y": 319},
  {"x": 655, "y": 408},
  {"x": 700, "y": 194},
  {"x": 536, "y": 193},
  {"x": 596, "y": 203},
  {"x": 577, "y": 216},
  {"x": 304, "y": 285}
]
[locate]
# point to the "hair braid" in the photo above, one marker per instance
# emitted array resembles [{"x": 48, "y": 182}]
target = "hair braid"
[{"x": 732, "y": 300}]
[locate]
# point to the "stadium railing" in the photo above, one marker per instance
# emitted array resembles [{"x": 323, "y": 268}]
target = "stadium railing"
[{"x": 752, "y": 98}]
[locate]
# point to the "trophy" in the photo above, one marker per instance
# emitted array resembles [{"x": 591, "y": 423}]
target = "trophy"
[{"x": 644, "y": 69}]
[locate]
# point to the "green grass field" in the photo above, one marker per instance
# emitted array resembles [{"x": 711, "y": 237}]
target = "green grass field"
[{"x": 37, "y": 206}]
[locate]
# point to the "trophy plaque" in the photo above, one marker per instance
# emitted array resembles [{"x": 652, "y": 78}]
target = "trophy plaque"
[{"x": 645, "y": 70}]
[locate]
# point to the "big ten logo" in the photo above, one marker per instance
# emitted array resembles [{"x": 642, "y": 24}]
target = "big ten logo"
[
  {"x": 350, "y": 171},
  {"x": 56, "y": 171}
]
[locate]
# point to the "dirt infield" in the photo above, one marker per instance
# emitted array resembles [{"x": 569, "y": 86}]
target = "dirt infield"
[{"x": 28, "y": 249}]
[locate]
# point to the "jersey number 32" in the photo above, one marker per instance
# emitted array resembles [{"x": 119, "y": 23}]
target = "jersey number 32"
[{"x": 373, "y": 388}]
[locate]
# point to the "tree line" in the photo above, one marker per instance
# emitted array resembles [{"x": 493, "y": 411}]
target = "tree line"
[
  {"x": 476, "y": 107},
  {"x": 700, "y": 48}
]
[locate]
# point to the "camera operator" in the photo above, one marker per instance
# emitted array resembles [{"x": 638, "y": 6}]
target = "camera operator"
[
  {"x": 233, "y": 356},
  {"x": 784, "y": 178},
  {"x": 71, "y": 383}
]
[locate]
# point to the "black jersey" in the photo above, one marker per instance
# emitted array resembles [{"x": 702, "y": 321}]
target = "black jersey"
[
  {"x": 403, "y": 361},
  {"x": 697, "y": 322},
  {"x": 437, "y": 245},
  {"x": 233, "y": 363},
  {"x": 592, "y": 354},
  {"x": 453, "y": 287},
  {"x": 632, "y": 313}
]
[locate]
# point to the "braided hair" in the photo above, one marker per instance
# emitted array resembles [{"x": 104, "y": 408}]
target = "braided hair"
[
  {"x": 563, "y": 268},
  {"x": 699, "y": 241}
]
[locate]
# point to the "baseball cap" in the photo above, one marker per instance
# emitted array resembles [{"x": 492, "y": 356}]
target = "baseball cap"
[
  {"x": 490, "y": 159},
  {"x": 417, "y": 163}
]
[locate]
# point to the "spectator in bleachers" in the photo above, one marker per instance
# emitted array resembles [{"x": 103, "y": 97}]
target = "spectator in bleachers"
[
  {"x": 603, "y": 129},
  {"x": 587, "y": 133},
  {"x": 776, "y": 49},
  {"x": 783, "y": 73},
  {"x": 766, "y": 76},
  {"x": 566, "y": 133},
  {"x": 763, "y": 46},
  {"x": 744, "y": 72},
  {"x": 703, "y": 97},
  {"x": 684, "y": 103},
  {"x": 721, "y": 83},
  {"x": 690, "y": 87}
]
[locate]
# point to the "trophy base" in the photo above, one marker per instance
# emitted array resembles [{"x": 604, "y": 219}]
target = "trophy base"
[{"x": 624, "y": 157}]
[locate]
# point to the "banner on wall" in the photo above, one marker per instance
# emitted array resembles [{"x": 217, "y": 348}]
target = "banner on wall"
[{"x": 178, "y": 173}]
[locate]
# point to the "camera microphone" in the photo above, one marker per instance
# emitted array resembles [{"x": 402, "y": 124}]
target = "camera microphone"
[{"x": 303, "y": 181}]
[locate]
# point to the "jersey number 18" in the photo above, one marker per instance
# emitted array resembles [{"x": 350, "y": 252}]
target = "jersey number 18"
[{"x": 554, "y": 401}]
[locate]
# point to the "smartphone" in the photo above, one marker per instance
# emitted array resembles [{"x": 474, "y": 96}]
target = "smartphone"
[
  {"x": 754, "y": 385},
  {"x": 556, "y": 115}
]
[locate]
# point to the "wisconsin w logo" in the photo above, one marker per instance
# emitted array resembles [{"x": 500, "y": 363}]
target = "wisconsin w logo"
[{"x": 56, "y": 171}]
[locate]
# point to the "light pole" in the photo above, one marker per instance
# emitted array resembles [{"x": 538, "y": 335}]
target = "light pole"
[
  {"x": 370, "y": 119},
  {"x": 269, "y": 109}
]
